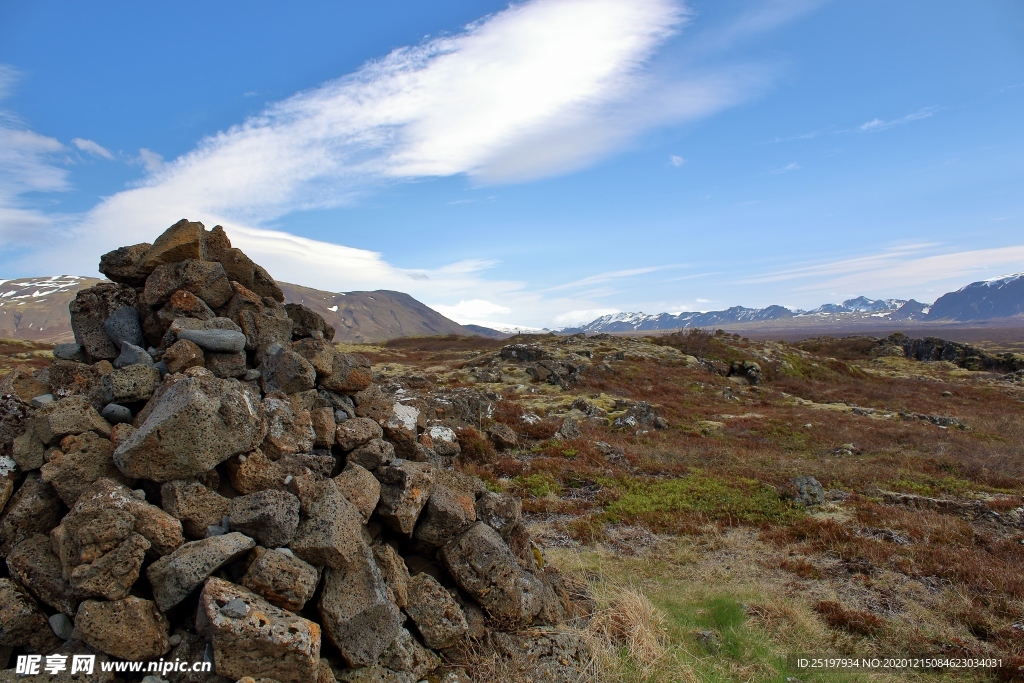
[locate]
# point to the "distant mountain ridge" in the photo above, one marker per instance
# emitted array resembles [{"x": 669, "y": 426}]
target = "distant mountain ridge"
[{"x": 1001, "y": 297}]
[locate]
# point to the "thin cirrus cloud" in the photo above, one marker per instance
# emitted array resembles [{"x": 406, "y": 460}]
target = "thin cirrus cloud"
[
  {"x": 877, "y": 124},
  {"x": 541, "y": 88},
  {"x": 91, "y": 147}
]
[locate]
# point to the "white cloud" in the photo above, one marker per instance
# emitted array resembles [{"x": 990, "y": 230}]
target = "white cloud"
[
  {"x": 150, "y": 160},
  {"x": 92, "y": 147},
  {"x": 676, "y": 160},
  {"x": 470, "y": 310},
  {"x": 878, "y": 124},
  {"x": 793, "y": 166}
]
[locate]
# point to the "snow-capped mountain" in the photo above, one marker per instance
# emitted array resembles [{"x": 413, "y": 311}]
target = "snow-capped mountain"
[{"x": 1000, "y": 297}]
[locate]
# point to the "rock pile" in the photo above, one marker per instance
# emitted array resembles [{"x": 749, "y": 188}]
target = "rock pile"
[{"x": 202, "y": 475}]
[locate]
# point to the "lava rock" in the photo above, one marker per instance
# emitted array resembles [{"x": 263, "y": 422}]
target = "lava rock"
[
  {"x": 437, "y": 616},
  {"x": 360, "y": 487},
  {"x": 271, "y": 517},
  {"x": 131, "y": 628},
  {"x": 218, "y": 341},
  {"x": 280, "y": 577},
  {"x": 196, "y": 506},
  {"x": 330, "y": 530},
  {"x": 122, "y": 327},
  {"x": 176, "y": 575},
  {"x": 353, "y": 433},
  {"x": 405, "y": 488}
]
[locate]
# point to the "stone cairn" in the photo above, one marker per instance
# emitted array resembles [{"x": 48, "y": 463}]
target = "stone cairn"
[{"x": 203, "y": 476}]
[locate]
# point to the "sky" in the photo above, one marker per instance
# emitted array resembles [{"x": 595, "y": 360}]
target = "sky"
[{"x": 539, "y": 163}]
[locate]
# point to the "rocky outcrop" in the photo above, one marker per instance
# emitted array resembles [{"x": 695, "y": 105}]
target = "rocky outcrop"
[{"x": 204, "y": 472}]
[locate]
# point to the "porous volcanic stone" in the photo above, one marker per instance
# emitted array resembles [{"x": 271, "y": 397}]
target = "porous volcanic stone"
[
  {"x": 34, "y": 564},
  {"x": 281, "y": 578},
  {"x": 206, "y": 280},
  {"x": 182, "y": 355},
  {"x": 195, "y": 505},
  {"x": 271, "y": 517},
  {"x": 405, "y": 488},
  {"x": 22, "y": 623},
  {"x": 353, "y": 433},
  {"x": 330, "y": 529},
  {"x": 176, "y": 575},
  {"x": 360, "y": 487},
  {"x": 34, "y": 508},
  {"x": 71, "y": 415},
  {"x": 266, "y": 642},
  {"x": 131, "y": 628},
  {"x": 129, "y": 384},
  {"x": 122, "y": 327},
  {"x": 85, "y": 459},
  {"x": 372, "y": 454},
  {"x": 286, "y": 371},
  {"x": 90, "y": 310},
  {"x": 437, "y": 616},
  {"x": 124, "y": 264},
  {"x": 448, "y": 514}
]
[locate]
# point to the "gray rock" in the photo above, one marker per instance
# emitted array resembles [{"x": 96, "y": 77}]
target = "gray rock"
[
  {"x": 176, "y": 575},
  {"x": 405, "y": 488},
  {"x": 252, "y": 375},
  {"x": 161, "y": 367},
  {"x": 448, "y": 514},
  {"x": 409, "y": 659},
  {"x": 396, "y": 574},
  {"x": 182, "y": 355},
  {"x": 192, "y": 427},
  {"x": 195, "y": 505},
  {"x": 122, "y": 327},
  {"x": 500, "y": 511},
  {"x": 808, "y": 491},
  {"x": 129, "y": 384},
  {"x": 236, "y": 609},
  {"x": 132, "y": 355},
  {"x": 69, "y": 351},
  {"x": 116, "y": 414},
  {"x": 436, "y": 614},
  {"x": 71, "y": 415},
  {"x": 286, "y": 371},
  {"x": 483, "y": 565},
  {"x": 267, "y": 642},
  {"x": 280, "y": 577},
  {"x": 372, "y": 454},
  {"x": 42, "y": 400},
  {"x": 353, "y": 433},
  {"x": 61, "y": 625},
  {"x": 220, "y": 341},
  {"x": 90, "y": 310},
  {"x": 124, "y": 264},
  {"x": 330, "y": 530},
  {"x": 355, "y": 610},
  {"x": 271, "y": 517}
]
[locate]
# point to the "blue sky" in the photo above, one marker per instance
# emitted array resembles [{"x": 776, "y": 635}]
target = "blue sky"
[{"x": 540, "y": 163}]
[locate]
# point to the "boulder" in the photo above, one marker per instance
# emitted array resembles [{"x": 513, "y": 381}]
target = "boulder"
[
  {"x": 263, "y": 320},
  {"x": 405, "y": 488},
  {"x": 448, "y": 513},
  {"x": 401, "y": 429},
  {"x": 71, "y": 378},
  {"x": 280, "y": 577},
  {"x": 112, "y": 575},
  {"x": 90, "y": 310},
  {"x": 226, "y": 365},
  {"x": 251, "y": 637},
  {"x": 182, "y": 241},
  {"x": 396, "y": 574},
  {"x": 22, "y": 383},
  {"x": 308, "y": 323},
  {"x": 34, "y": 564},
  {"x": 198, "y": 423},
  {"x": 372, "y": 454},
  {"x": 206, "y": 280},
  {"x": 132, "y": 355},
  {"x": 407, "y": 660},
  {"x": 176, "y": 575},
  {"x": 357, "y": 614},
  {"x": 271, "y": 517},
  {"x": 124, "y": 265},
  {"x": 196, "y": 506},
  {"x": 130, "y": 384},
  {"x": 286, "y": 371},
  {"x": 318, "y": 352},
  {"x": 353, "y": 433},
  {"x": 217, "y": 341},
  {"x": 28, "y": 451},
  {"x": 131, "y": 628},
  {"x": 182, "y": 355},
  {"x": 240, "y": 267},
  {"x": 324, "y": 426},
  {"x": 349, "y": 373},
  {"x": 330, "y": 529},
  {"x": 483, "y": 565},
  {"x": 122, "y": 327},
  {"x": 83, "y": 459},
  {"x": 71, "y": 415},
  {"x": 34, "y": 508},
  {"x": 288, "y": 431},
  {"x": 500, "y": 511},
  {"x": 808, "y": 491},
  {"x": 22, "y": 623},
  {"x": 372, "y": 403},
  {"x": 437, "y": 616},
  {"x": 360, "y": 487}
]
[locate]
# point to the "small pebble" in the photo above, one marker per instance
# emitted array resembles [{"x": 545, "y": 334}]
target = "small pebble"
[
  {"x": 139, "y": 494},
  {"x": 61, "y": 625},
  {"x": 947, "y": 393},
  {"x": 236, "y": 609},
  {"x": 40, "y": 401},
  {"x": 174, "y": 640},
  {"x": 289, "y": 479},
  {"x": 242, "y": 458},
  {"x": 162, "y": 367},
  {"x": 116, "y": 414},
  {"x": 215, "y": 530},
  {"x": 251, "y": 375}
]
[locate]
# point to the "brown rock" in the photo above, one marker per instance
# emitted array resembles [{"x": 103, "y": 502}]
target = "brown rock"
[
  {"x": 319, "y": 353},
  {"x": 196, "y": 506},
  {"x": 271, "y": 517},
  {"x": 406, "y": 660},
  {"x": 324, "y": 426},
  {"x": 253, "y": 471},
  {"x": 500, "y": 511},
  {"x": 131, "y": 628},
  {"x": 129, "y": 384},
  {"x": 405, "y": 488},
  {"x": 176, "y": 575},
  {"x": 226, "y": 364},
  {"x": 33, "y": 563},
  {"x": 288, "y": 431},
  {"x": 355, "y": 432},
  {"x": 70, "y": 378},
  {"x": 448, "y": 514},
  {"x": 330, "y": 530},
  {"x": 308, "y": 323},
  {"x": 356, "y": 612},
  {"x": 502, "y": 436},
  {"x": 84, "y": 459},
  {"x": 372, "y": 403},
  {"x": 286, "y": 371},
  {"x": 182, "y": 304},
  {"x": 436, "y": 614},
  {"x": 360, "y": 487},
  {"x": 206, "y": 280},
  {"x": 182, "y": 355},
  {"x": 196, "y": 424},
  {"x": 394, "y": 571},
  {"x": 180, "y": 242},
  {"x": 22, "y": 623},
  {"x": 252, "y": 637},
  {"x": 263, "y": 320},
  {"x": 372, "y": 454},
  {"x": 71, "y": 415},
  {"x": 27, "y": 450},
  {"x": 124, "y": 265},
  {"x": 280, "y": 577},
  {"x": 240, "y": 267},
  {"x": 22, "y": 384},
  {"x": 112, "y": 575},
  {"x": 349, "y": 373},
  {"x": 90, "y": 310},
  {"x": 34, "y": 508}
]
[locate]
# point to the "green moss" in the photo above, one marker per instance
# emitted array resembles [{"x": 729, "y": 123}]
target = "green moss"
[
  {"x": 660, "y": 504},
  {"x": 540, "y": 484}
]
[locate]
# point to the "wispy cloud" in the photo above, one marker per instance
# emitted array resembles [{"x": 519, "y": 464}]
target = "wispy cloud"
[
  {"x": 91, "y": 147},
  {"x": 676, "y": 161},
  {"x": 876, "y": 124},
  {"x": 601, "y": 278},
  {"x": 792, "y": 166},
  {"x": 474, "y": 309},
  {"x": 790, "y": 138}
]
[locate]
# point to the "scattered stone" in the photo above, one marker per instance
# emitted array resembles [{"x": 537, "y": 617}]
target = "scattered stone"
[
  {"x": 357, "y": 614},
  {"x": 405, "y": 488},
  {"x": 283, "y": 579},
  {"x": 116, "y": 414},
  {"x": 182, "y": 355},
  {"x": 131, "y": 628},
  {"x": 195, "y": 425},
  {"x": 176, "y": 575},
  {"x": 330, "y": 529},
  {"x": 266, "y": 641},
  {"x": 61, "y": 626},
  {"x": 271, "y": 517},
  {"x": 196, "y": 506},
  {"x": 808, "y": 491},
  {"x": 437, "y": 616}
]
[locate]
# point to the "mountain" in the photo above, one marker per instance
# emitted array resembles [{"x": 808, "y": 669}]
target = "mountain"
[
  {"x": 36, "y": 309},
  {"x": 1001, "y": 297}
]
